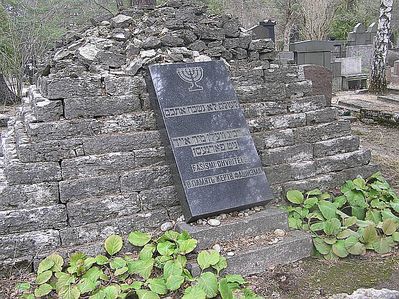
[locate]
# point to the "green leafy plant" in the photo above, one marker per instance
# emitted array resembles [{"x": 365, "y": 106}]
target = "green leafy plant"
[
  {"x": 157, "y": 269},
  {"x": 364, "y": 216}
]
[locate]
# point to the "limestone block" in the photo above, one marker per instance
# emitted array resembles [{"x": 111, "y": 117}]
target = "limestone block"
[
  {"x": 273, "y": 139},
  {"x": 97, "y": 165},
  {"x": 83, "y": 234},
  {"x": 61, "y": 129},
  {"x": 120, "y": 86},
  {"x": 28, "y": 196},
  {"x": 277, "y": 122},
  {"x": 156, "y": 198},
  {"x": 93, "y": 210},
  {"x": 322, "y": 132},
  {"x": 343, "y": 161},
  {"x": 278, "y": 174},
  {"x": 261, "y": 44},
  {"x": 31, "y": 173},
  {"x": 287, "y": 154},
  {"x": 127, "y": 123},
  {"x": 306, "y": 104},
  {"x": 122, "y": 143},
  {"x": 28, "y": 244},
  {"x": 66, "y": 87},
  {"x": 299, "y": 88},
  {"x": 72, "y": 190},
  {"x": 121, "y": 21},
  {"x": 25, "y": 220},
  {"x": 150, "y": 156},
  {"x": 253, "y": 110},
  {"x": 50, "y": 151},
  {"x": 336, "y": 146},
  {"x": 146, "y": 178},
  {"x": 261, "y": 93},
  {"x": 46, "y": 110},
  {"x": 100, "y": 106}
]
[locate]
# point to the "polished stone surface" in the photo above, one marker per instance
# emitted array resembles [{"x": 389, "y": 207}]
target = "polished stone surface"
[{"x": 218, "y": 168}]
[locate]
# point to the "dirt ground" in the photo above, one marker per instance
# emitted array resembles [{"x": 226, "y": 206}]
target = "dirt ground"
[{"x": 317, "y": 278}]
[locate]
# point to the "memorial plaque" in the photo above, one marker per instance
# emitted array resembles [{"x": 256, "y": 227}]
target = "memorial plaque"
[{"x": 218, "y": 168}]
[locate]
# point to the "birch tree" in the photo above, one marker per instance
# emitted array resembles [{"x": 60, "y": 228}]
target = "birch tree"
[{"x": 378, "y": 82}]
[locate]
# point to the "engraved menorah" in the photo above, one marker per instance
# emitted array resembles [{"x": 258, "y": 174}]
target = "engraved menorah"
[{"x": 191, "y": 75}]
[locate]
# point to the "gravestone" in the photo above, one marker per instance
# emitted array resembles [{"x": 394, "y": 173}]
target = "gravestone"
[
  {"x": 217, "y": 166},
  {"x": 322, "y": 80},
  {"x": 313, "y": 52},
  {"x": 265, "y": 29}
]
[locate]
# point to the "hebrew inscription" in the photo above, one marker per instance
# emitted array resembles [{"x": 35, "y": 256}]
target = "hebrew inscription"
[{"x": 217, "y": 166}]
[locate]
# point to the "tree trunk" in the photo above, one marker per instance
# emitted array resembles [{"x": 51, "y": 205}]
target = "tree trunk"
[
  {"x": 145, "y": 3},
  {"x": 6, "y": 95},
  {"x": 378, "y": 81}
]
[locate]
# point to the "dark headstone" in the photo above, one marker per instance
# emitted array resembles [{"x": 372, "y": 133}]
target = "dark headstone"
[
  {"x": 321, "y": 80},
  {"x": 218, "y": 168},
  {"x": 313, "y": 52},
  {"x": 264, "y": 30}
]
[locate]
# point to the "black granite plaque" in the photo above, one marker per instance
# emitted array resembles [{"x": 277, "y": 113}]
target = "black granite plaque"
[{"x": 218, "y": 168}]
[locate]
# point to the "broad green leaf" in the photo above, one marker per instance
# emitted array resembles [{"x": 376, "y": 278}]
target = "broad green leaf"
[
  {"x": 134, "y": 286},
  {"x": 182, "y": 260},
  {"x": 360, "y": 183},
  {"x": 90, "y": 261},
  {"x": 69, "y": 292},
  {"x": 166, "y": 248},
  {"x": 112, "y": 291},
  {"x": 318, "y": 226},
  {"x": 172, "y": 268},
  {"x": 194, "y": 292},
  {"x": 77, "y": 259},
  {"x": 147, "y": 252},
  {"x": 332, "y": 226},
  {"x": 23, "y": 286},
  {"x": 27, "y": 296},
  {"x": 171, "y": 235},
  {"x": 383, "y": 245},
  {"x": 235, "y": 278},
  {"x": 348, "y": 222},
  {"x": 121, "y": 271},
  {"x": 141, "y": 267},
  {"x": 395, "y": 236},
  {"x": 295, "y": 196},
  {"x": 93, "y": 273},
  {"x": 101, "y": 260},
  {"x": 331, "y": 256},
  {"x": 186, "y": 246},
  {"x": 58, "y": 262},
  {"x": 356, "y": 198},
  {"x": 138, "y": 238},
  {"x": 221, "y": 264},
  {"x": 64, "y": 280},
  {"x": 117, "y": 263},
  {"x": 45, "y": 265},
  {"x": 310, "y": 202},
  {"x": 370, "y": 234},
  {"x": 207, "y": 258},
  {"x": 44, "y": 277},
  {"x": 224, "y": 289},
  {"x": 144, "y": 294},
  {"x": 327, "y": 209},
  {"x": 43, "y": 290},
  {"x": 173, "y": 282},
  {"x": 389, "y": 226},
  {"x": 387, "y": 214},
  {"x": 359, "y": 212},
  {"x": 314, "y": 192},
  {"x": 374, "y": 216},
  {"x": 395, "y": 206},
  {"x": 158, "y": 285},
  {"x": 357, "y": 249},
  {"x": 350, "y": 242},
  {"x": 331, "y": 240},
  {"x": 339, "y": 249},
  {"x": 346, "y": 233},
  {"x": 339, "y": 201},
  {"x": 86, "y": 285},
  {"x": 113, "y": 244},
  {"x": 347, "y": 186},
  {"x": 209, "y": 283},
  {"x": 294, "y": 223},
  {"x": 321, "y": 246}
]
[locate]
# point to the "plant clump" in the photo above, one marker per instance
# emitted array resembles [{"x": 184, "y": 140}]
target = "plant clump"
[
  {"x": 363, "y": 216},
  {"x": 157, "y": 270}
]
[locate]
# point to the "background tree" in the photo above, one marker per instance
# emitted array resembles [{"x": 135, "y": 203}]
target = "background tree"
[{"x": 378, "y": 83}]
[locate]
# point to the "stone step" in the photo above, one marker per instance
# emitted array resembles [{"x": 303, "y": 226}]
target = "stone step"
[
  {"x": 261, "y": 222},
  {"x": 260, "y": 256},
  {"x": 390, "y": 99},
  {"x": 393, "y": 90}
]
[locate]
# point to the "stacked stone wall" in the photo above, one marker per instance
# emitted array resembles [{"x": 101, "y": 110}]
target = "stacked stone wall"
[{"x": 83, "y": 157}]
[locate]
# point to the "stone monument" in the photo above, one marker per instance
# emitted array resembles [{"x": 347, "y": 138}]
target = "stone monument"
[{"x": 219, "y": 168}]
